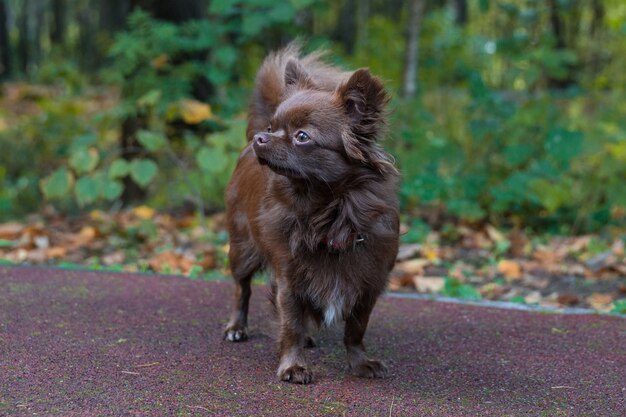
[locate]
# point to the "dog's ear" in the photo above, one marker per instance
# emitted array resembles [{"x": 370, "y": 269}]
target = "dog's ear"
[
  {"x": 364, "y": 98},
  {"x": 295, "y": 74}
]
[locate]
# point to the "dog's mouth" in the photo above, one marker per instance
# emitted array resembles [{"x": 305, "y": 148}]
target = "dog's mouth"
[{"x": 280, "y": 170}]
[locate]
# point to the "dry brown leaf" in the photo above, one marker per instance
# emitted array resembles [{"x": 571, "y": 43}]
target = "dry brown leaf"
[
  {"x": 547, "y": 256},
  {"x": 169, "y": 262},
  {"x": 160, "y": 61},
  {"x": 511, "y": 270},
  {"x": 618, "y": 248},
  {"x": 492, "y": 290},
  {"x": 11, "y": 230},
  {"x": 494, "y": 234},
  {"x": 413, "y": 266},
  {"x": 567, "y": 299},
  {"x": 56, "y": 252},
  {"x": 533, "y": 297},
  {"x": 429, "y": 284},
  {"x": 601, "y": 301}
]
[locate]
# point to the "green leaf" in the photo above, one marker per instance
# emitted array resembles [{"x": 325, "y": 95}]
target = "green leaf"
[
  {"x": 119, "y": 168},
  {"x": 86, "y": 190},
  {"x": 142, "y": 171},
  {"x": 57, "y": 184},
  {"x": 84, "y": 160},
  {"x": 4, "y": 243},
  {"x": 151, "y": 98},
  {"x": 211, "y": 160},
  {"x": 454, "y": 288},
  {"x": 619, "y": 306},
  {"x": 226, "y": 55},
  {"x": 151, "y": 140},
  {"x": 112, "y": 189}
]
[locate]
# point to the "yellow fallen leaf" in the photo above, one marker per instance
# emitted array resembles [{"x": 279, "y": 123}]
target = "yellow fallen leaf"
[
  {"x": 194, "y": 112},
  {"x": 431, "y": 253},
  {"x": 511, "y": 270},
  {"x": 144, "y": 212},
  {"x": 88, "y": 232}
]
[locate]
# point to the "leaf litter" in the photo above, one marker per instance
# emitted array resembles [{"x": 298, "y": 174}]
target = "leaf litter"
[{"x": 481, "y": 262}]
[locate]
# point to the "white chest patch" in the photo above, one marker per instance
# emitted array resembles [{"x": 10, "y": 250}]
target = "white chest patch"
[{"x": 334, "y": 309}]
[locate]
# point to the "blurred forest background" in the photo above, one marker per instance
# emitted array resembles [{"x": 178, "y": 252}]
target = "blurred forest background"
[{"x": 507, "y": 114}]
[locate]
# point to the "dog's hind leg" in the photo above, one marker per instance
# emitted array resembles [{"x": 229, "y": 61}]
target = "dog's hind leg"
[{"x": 244, "y": 263}]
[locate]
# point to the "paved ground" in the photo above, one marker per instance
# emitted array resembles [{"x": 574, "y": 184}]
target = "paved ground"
[{"x": 76, "y": 343}]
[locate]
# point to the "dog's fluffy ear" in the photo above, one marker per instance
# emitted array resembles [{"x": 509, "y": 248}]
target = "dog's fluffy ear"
[
  {"x": 295, "y": 74},
  {"x": 364, "y": 98}
]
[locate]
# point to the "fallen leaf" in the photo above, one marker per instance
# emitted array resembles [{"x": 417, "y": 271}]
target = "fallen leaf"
[
  {"x": 11, "y": 230},
  {"x": 567, "y": 299},
  {"x": 429, "y": 284},
  {"x": 533, "y": 297},
  {"x": 56, "y": 252},
  {"x": 618, "y": 248},
  {"x": 511, "y": 270},
  {"x": 601, "y": 301},
  {"x": 408, "y": 251},
  {"x": 491, "y": 290},
  {"x": 144, "y": 212},
  {"x": 413, "y": 266}
]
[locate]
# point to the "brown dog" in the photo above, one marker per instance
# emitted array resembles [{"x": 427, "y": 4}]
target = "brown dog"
[{"x": 313, "y": 198}]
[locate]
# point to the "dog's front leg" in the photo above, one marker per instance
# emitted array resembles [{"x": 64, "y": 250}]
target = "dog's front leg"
[
  {"x": 293, "y": 366},
  {"x": 356, "y": 324}
]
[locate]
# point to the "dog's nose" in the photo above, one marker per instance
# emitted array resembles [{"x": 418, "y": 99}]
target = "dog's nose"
[{"x": 262, "y": 138}]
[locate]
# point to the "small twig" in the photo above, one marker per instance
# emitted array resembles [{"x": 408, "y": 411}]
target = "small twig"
[
  {"x": 393, "y": 397},
  {"x": 145, "y": 365},
  {"x": 197, "y": 406},
  {"x": 130, "y": 373},
  {"x": 562, "y": 387}
]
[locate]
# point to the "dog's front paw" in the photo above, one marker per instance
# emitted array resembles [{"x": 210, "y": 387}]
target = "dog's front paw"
[
  {"x": 296, "y": 374},
  {"x": 370, "y": 368},
  {"x": 235, "y": 334}
]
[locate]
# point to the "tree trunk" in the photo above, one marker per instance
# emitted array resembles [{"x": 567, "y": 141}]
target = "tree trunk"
[
  {"x": 460, "y": 12},
  {"x": 24, "y": 44},
  {"x": 345, "y": 32},
  {"x": 416, "y": 12},
  {"x": 597, "y": 19},
  {"x": 5, "y": 52},
  {"x": 362, "y": 23},
  {"x": 57, "y": 35},
  {"x": 558, "y": 31}
]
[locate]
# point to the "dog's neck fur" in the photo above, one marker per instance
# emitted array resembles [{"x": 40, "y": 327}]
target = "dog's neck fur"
[{"x": 333, "y": 216}]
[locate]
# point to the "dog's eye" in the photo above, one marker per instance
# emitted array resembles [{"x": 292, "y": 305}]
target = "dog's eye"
[
  {"x": 269, "y": 129},
  {"x": 302, "y": 137}
]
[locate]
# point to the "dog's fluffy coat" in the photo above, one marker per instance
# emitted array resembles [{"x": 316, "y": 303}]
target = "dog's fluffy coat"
[{"x": 313, "y": 198}]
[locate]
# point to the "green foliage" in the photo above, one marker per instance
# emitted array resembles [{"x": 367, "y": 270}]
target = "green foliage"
[
  {"x": 511, "y": 125},
  {"x": 619, "y": 306},
  {"x": 454, "y": 288}
]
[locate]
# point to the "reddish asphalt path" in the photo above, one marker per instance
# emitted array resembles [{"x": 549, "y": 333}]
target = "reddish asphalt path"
[{"x": 76, "y": 343}]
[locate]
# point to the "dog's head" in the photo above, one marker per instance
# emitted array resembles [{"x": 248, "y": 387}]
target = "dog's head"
[{"x": 321, "y": 135}]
